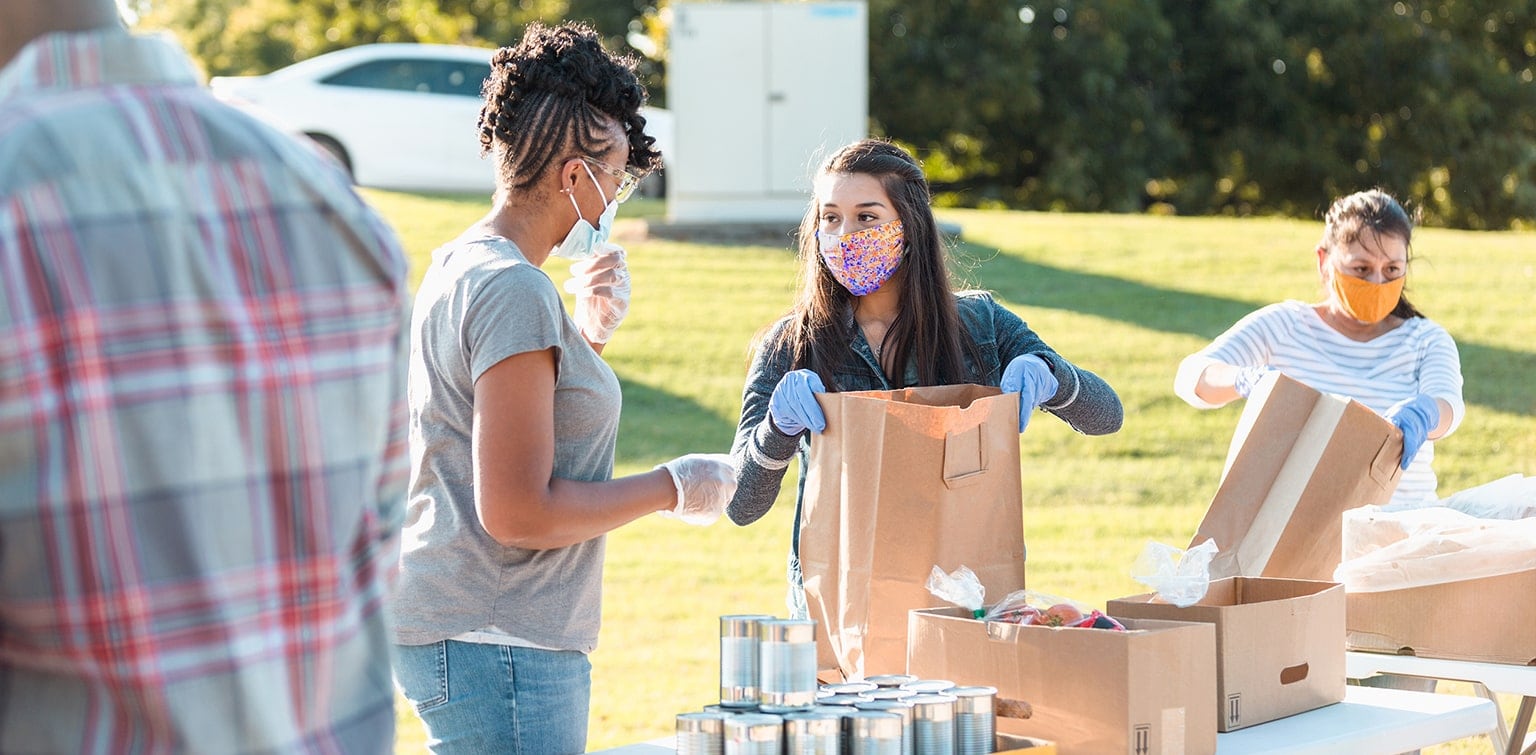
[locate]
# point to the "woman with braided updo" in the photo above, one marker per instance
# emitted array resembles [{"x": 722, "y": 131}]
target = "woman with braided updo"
[{"x": 514, "y": 414}]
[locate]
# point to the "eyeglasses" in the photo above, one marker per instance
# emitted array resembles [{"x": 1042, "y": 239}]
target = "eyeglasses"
[{"x": 627, "y": 181}]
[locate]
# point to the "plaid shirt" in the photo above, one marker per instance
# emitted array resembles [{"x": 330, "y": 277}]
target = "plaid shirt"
[{"x": 202, "y": 419}]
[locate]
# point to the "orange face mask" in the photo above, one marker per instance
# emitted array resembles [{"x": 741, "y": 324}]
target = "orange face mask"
[{"x": 1363, "y": 300}]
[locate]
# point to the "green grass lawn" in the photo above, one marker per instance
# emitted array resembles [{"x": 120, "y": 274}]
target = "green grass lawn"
[{"x": 1125, "y": 296}]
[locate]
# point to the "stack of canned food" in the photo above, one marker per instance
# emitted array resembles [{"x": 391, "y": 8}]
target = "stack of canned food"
[{"x": 771, "y": 704}]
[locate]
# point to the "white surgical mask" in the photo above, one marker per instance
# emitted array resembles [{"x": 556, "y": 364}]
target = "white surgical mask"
[{"x": 583, "y": 239}]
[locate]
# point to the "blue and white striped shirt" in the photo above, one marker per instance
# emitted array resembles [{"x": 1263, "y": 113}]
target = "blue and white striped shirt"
[{"x": 1417, "y": 357}]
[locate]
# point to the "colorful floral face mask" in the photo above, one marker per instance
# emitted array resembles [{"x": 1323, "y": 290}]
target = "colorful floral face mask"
[{"x": 863, "y": 260}]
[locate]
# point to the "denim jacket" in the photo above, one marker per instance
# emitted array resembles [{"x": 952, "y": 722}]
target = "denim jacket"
[{"x": 762, "y": 453}]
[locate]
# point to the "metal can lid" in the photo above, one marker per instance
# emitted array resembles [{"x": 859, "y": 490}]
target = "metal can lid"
[
  {"x": 839, "y": 699},
  {"x": 895, "y": 706},
  {"x": 975, "y": 699},
  {"x": 890, "y": 680},
  {"x": 890, "y": 693},
  {"x": 926, "y": 686},
  {"x": 742, "y": 625},
  {"x": 849, "y": 688},
  {"x": 788, "y": 630}
]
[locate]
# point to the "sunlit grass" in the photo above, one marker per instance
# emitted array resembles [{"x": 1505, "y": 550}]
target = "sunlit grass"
[{"x": 1124, "y": 296}]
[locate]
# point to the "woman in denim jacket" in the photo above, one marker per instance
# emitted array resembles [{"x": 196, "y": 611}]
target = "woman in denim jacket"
[{"x": 875, "y": 312}]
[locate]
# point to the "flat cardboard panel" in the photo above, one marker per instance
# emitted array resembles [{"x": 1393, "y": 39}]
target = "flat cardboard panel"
[
  {"x": 1492, "y": 620},
  {"x": 1148, "y": 691},
  {"x": 1277, "y": 644},
  {"x": 1009, "y": 744},
  {"x": 1298, "y": 460}
]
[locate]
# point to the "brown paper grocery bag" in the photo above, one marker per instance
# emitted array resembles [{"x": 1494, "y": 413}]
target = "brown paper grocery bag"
[
  {"x": 1299, "y": 459},
  {"x": 900, "y": 482}
]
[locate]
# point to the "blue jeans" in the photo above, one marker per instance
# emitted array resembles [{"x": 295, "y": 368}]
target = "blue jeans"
[{"x": 477, "y": 698}]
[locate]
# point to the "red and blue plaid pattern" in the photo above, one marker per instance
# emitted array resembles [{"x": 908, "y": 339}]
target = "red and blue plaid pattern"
[{"x": 202, "y": 423}]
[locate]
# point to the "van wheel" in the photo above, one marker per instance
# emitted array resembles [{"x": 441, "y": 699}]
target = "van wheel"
[{"x": 336, "y": 151}]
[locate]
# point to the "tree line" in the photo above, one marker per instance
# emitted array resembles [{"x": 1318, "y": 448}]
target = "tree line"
[{"x": 1182, "y": 106}]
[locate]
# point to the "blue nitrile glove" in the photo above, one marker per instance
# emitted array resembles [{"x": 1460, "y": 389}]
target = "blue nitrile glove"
[
  {"x": 1249, "y": 378},
  {"x": 1029, "y": 376},
  {"x": 793, "y": 407},
  {"x": 1415, "y": 417}
]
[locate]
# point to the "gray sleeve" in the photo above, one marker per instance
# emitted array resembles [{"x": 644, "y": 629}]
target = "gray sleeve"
[
  {"x": 761, "y": 452},
  {"x": 515, "y": 310},
  {"x": 1083, "y": 400}
]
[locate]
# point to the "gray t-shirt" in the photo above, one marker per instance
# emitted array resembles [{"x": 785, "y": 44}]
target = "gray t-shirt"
[{"x": 480, "y": 303}]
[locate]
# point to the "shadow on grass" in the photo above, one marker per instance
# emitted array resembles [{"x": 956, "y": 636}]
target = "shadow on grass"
[
  {"x": 1495, "y": 377},
  {"x": 658, "y": 426}
]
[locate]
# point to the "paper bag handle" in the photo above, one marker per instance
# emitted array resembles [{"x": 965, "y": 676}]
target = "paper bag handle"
[
  {"x": 1385, "y": 465},
  {"x": 965, "y": 457}
]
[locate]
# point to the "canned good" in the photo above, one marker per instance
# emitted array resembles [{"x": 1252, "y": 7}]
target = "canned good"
[
  {"x": 900, "y": 708},
  {"x": 813, "y": 732},
  {"x": 890, "y": 680},
  {"x": 889, "y": 693},
  {"x": 933, "y": 724},
  {"x": 738, "y": 660},
  {"x": 753, "y": 734},
  {"x": 787, "y": 665},
  {"x": 975, "y": 719},
  {"x": 701, "y": 733},
  {"x": 874, "y": 732}
]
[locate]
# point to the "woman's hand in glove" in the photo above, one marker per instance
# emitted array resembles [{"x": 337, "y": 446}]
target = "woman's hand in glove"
[
  {"x": 793, "y": 407},
  {"x": 1029, "y": 376},
  {"x": 1415, "y": 417},
  {"x": 1245, "y": 379},
  {"x": 705, "y": 484},
  {"x": 601, "y": 286}
]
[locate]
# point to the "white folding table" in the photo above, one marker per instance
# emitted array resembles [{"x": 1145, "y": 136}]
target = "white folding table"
[
  {"x": 1370, "y": 721},
  {"x": 1486, "y": 679}
]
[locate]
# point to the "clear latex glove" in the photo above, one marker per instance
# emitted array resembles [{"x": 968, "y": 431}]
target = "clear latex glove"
[
  {"x": 1248, "y": 378},
  {"x": 1415, "y": 417},
  {"x": 601, "y": 286},
  {"x": 1029, "y": 376},
  {"x": 705, "y": 484},
  {"x": 793, "y": 407}
]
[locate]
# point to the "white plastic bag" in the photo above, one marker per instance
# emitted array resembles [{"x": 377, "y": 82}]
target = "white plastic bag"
[
  {"x": 961, "y": 587},
  {"x": 1396, "y": 550},
  {"x": 1180, "y": 577},
  {"x": 1512, "y": 497}
]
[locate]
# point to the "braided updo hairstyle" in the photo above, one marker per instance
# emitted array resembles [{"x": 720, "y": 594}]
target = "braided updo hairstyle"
[{"x": 553, "y": 92}]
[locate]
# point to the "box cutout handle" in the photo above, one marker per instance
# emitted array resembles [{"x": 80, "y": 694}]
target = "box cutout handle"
[
  {"x": 1293, "y": 674},
  {"x": 965, "y": 457}
]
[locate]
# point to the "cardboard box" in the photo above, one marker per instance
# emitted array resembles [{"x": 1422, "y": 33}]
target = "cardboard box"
[
  {"x": 1277, "y": 644},
  {"x": 1490, "y": 619},
  {"x": 1148, "y": 691},
  {"x": 1298, "y": 460}
]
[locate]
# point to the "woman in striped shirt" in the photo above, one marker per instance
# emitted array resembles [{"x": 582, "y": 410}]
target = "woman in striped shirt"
[{"x": 1364, "y": 341}]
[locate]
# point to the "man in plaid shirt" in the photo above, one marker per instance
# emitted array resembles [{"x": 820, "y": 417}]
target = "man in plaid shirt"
[{"x": 202, "y": 420}]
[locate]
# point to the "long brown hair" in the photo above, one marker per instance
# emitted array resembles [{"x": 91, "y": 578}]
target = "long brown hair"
[
  {"x": 1377, "y": 213},
  {"x": 927, "y": 323}
]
